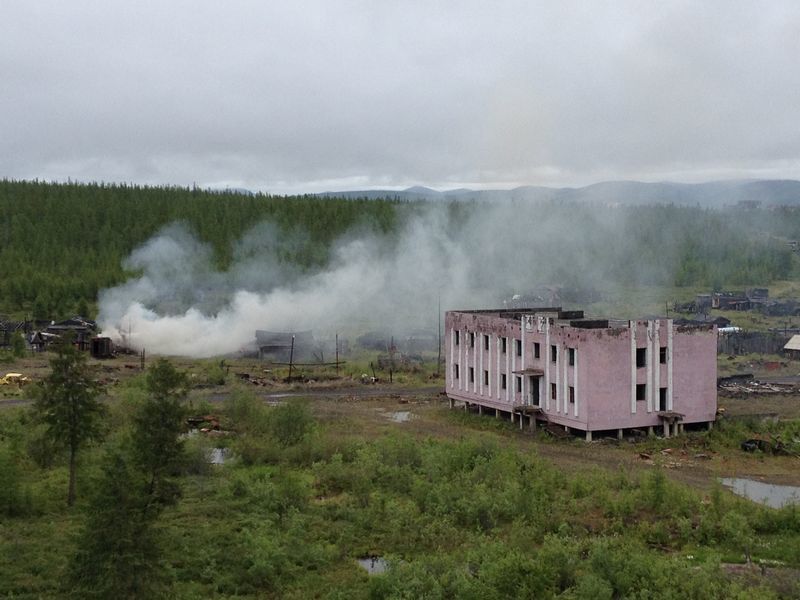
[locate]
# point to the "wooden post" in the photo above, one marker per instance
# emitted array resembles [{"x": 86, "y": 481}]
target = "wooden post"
[
  {"x": 291, "y": 359},
  {"x": 337, "y": 354},
  {"x": 439, "y": 333}
]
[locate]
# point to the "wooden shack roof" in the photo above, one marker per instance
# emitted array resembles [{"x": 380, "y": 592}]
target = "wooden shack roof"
[{"x": 793, "y": 343}]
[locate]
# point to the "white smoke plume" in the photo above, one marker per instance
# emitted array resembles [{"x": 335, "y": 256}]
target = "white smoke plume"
[{"x": 182, "y": 305}]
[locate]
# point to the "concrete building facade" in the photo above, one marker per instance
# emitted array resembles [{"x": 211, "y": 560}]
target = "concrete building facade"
[{"x": 590, "y": 375}]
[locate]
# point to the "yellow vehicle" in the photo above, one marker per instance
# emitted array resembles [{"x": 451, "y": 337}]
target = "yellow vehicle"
[{"x": 17, "y": 379}]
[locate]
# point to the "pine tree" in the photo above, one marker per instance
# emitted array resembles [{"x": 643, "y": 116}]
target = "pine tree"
[
  {"x": 118, "y": 551},
  {"x": 157, "y": 446},
  {"x": 66, "y": 402}
]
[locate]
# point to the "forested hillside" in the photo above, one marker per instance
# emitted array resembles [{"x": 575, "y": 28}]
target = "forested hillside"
[{"x": 62, "y": 243}]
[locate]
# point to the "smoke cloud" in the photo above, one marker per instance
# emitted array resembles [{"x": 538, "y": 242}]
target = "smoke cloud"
[{"x": 465, "y": 256}]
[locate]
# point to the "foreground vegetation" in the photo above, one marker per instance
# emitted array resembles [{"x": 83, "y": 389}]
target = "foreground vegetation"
[{"x": 313, "y": 486}]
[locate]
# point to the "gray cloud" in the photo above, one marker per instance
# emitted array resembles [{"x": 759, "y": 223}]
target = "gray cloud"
[{"x": 317, "y": 95}]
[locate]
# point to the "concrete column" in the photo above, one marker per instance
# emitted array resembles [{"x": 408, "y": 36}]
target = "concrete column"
[
  {"x": 675, "y": 427},
  {"x": 521, "y": 424},
  {"x": 650, "y": 431},
  {"x": 480, "y": 409},
  {"x": 496, "y": 413},
  {"x": 512, "y": 415},
  {"x": 619, "y": 434},
  {"x": 589, "y": 436},
  {"x": 710, "y": 425},
  {"x": 533, "y": 424},
  {"x": 451, "y": 403},
  {"x": 466, "y": 406},
  {"x": 666, "y": 429}
]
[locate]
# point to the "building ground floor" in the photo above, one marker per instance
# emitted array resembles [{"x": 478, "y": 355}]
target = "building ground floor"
[{"x": 532, "y": 419}]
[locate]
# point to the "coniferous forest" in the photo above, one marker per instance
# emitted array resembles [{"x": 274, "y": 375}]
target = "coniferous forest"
[{"x": 61, "y": 244}]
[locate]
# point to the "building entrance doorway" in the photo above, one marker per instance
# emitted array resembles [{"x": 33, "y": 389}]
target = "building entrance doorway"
[{"x": 533, "y": 390}]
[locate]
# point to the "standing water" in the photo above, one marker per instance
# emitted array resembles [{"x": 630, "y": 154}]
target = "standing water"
[
  {"x": 774, "y": 496},
  {"x": 374, "y": 565}
]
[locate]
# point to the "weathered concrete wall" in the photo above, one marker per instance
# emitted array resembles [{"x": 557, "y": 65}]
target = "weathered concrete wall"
[{"x": 597, "y": 392}]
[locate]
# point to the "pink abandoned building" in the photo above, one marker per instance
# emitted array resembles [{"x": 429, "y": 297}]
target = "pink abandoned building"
[{"x": 590, "y": 375}]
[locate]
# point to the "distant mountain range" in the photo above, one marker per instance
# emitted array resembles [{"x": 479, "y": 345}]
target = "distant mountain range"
[{"x": 761, "y": 192}]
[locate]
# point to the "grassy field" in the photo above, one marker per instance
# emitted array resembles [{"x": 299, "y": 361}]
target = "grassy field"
[{"x": 460, "y": 505}]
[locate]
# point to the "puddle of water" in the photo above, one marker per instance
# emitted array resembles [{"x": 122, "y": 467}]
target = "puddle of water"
[
  {"x": 373, "y": 565},
  {"x": 769, "y": 494},
  {"x": 400, "y": 416},
  {"x": 218, "y": 456}
]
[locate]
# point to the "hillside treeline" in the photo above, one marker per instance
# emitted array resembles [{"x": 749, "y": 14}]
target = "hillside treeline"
[{"x": 61, "y": 244}]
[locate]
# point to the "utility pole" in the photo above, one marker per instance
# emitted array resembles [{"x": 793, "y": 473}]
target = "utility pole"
[
  {"x": 291, "y": 359},
  {"x": 439, "y": 334}
]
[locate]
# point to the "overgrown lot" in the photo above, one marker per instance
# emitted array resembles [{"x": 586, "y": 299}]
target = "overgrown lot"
[{"x": 460, "y": 506}]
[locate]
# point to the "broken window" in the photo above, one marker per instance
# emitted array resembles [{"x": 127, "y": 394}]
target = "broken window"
[
  {"x": 641, "y": 391},
  {"x": 503, "y": 344},
  {"x": 571, "y": 354},
  {"x": 571, "y": 394},
  {"x": 457, "y": 337},
  {"x": 472, "y": 374},
  {"x": 455, "y": 371},
  {"x": 518, "y": 347},
  {"x": 553, "y": 391},
  {"x": 554, "y": 353},
  {"x": 486, "y": 378},
  {"x": 503, "y": 381},
  {"x": 471, "y": 339},
  {"x": 536, "y": 349},
  {"x": 486, "y": 342},
  {"x": 662, "y": 399},
  {"x": 662, "y": 355},
  {"x": 641, "y": 357},
  {"x": 518, "y": 384}
]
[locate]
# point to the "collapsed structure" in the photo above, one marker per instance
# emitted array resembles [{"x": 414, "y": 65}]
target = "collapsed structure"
[{"x": 590, "y": 375}]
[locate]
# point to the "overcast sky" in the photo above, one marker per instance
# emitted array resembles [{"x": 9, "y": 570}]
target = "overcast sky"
[{"x": 299, "y": 96}]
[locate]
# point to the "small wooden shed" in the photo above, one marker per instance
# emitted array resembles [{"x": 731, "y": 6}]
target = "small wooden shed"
[{"x": 792, "y": 347}]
